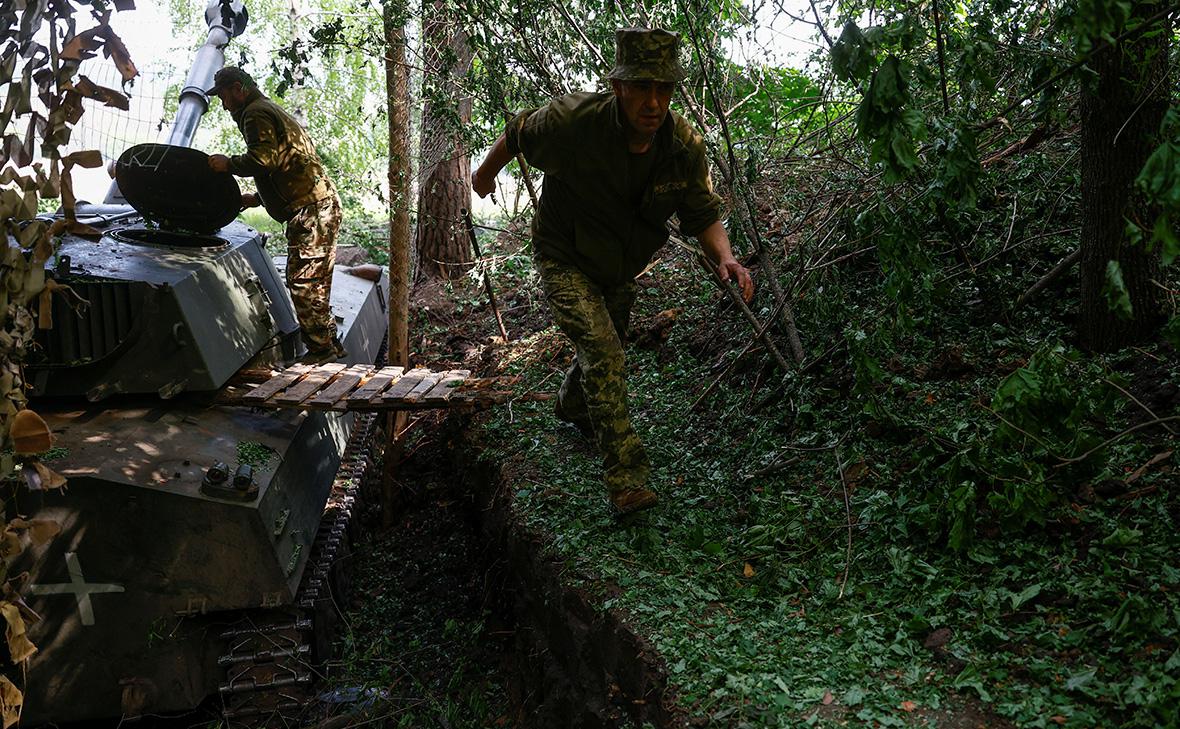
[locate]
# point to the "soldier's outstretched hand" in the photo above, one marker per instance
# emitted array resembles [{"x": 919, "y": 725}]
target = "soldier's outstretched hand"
[
  {"x": 481, "y": 184},
  {"x": 731, "y": 270}
]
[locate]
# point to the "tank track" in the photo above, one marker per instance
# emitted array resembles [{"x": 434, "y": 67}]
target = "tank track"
[{"x": 271, "y": 657}]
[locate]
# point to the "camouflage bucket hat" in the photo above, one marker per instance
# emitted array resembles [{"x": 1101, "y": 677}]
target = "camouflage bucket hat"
[{"x": 647, "y": 55}]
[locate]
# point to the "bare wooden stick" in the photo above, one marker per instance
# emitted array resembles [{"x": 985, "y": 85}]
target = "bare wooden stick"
[
  {"x": 848, "y": 518},
  {"x": 1064, "y": 265},
  {"x": 757, "y": 336},
  {"x": 749, "y": 224},
  {"x": 1108, "y": 441},
  {"x": 487, "y": 276},
  {"x": 737, "y": 299},
  {"x": 772, "y": 469},
  {"x": 1135, "y": 400},
  {"x": 741, "y": 304}
]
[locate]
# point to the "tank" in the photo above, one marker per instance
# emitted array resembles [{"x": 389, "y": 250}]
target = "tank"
[{"x": 193, "y": 548}]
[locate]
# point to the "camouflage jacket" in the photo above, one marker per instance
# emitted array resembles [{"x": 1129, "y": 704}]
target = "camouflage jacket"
[
  {"x": 280, "y": 157},
  {"x": 587, "y": 216}
]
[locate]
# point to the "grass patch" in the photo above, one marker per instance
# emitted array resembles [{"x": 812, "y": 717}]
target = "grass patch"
[{"x": 876, "y": 545}]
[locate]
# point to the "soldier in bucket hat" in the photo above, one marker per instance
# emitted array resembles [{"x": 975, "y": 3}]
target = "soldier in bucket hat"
[{"x": 617, "y": 166}]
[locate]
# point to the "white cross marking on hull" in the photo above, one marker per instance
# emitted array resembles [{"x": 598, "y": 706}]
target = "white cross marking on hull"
[{"x": 78, "y": 587}]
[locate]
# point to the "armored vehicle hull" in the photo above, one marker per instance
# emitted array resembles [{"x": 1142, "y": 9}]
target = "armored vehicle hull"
[{"x": 181, "y": 516}]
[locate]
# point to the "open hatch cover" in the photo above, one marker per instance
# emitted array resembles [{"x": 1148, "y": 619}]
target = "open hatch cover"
[{"x": 174, "y": 187}]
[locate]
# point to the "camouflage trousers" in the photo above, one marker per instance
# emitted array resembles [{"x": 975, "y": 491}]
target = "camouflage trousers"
[
  {"x": 311, "y": 254},
  {"x": 595, "y": 319}
]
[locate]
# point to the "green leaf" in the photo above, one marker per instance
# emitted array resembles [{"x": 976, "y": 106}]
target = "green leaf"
[
  {"x": 852, "y": 55},
  {"x": 1025, "y": 595},
  {"x": 1164, "y": 233},
  {"x": 1122, "y": 537},
  {"x": 1173, "y": 662},
  {"x": 887, "y": 123},
  {"x": 969, "y": 678},
  {"x": 1115, "y": 291},
  {"x": 1079, "y": 679},
  {"x": 853, "y": 696}
]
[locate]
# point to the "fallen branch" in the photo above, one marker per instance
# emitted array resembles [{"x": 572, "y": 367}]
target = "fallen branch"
[
  {"x": 757, "y": 337},
  {"x": 487, "y": 276},
  {"x": 848, "y": 515},
  {"x": 772, "y": 468},
  {"x": 1135, "y": 400},
  {"x": 748, "y": 225},
  {"x": 1062, "y": 266},
  {"x": 736, "y": 297},
  {"x": 1108, "y": 441}
]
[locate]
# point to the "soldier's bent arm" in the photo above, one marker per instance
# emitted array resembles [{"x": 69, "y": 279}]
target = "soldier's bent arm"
[{"x": 483, "y": 180}]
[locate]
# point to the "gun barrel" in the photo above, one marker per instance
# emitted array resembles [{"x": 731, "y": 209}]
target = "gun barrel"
[{"x": 226, "y": 19}]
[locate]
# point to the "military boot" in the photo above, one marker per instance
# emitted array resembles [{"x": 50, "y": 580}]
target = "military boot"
[
  {"x": 324, "y": 356},
  {"x": 629, "y": 501}
]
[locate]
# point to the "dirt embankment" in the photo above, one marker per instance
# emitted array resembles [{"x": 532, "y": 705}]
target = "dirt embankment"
[{"x": 578, "y": 665}]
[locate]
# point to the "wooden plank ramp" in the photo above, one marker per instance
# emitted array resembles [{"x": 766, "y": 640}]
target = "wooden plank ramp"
[{"x": 365, "y": 388}]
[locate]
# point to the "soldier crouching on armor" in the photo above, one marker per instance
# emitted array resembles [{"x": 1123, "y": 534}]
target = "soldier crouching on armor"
[
  {"x": 617, "y": 166},
  {"x": 295, "y": 190}
]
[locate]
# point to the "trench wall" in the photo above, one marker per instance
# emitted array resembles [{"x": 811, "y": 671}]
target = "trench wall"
[{"x": 579, "y": 666}]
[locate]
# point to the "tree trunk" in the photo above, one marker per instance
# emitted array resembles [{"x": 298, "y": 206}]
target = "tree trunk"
[
  {"x": 397, "y": 91},
  {"x": 1121, "y": 113},
  {"x": 445, "y": 183},
  {"x": 397, "y": 88}
]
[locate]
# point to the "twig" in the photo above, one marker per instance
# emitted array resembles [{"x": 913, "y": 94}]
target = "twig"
[
  {"x": 841, "y": 259},
  {"x": 772, "y": 468},
  {"x": 757, "y": 336},
  {"x": 1137, "y": 30},
  {"x": 1135, "y": 400},
  {"x": 946, "y": 105},
  {"x": 1019, "y": 243},
  {"x": 1139, "y": 492},
  {"x": 748, "y": 224},
  {"x": 1108, "y": 441},
  {"x": 1022, "y": 431},
  {"x": 1145, "y": 353},
  {"x": 1012, "y": 222},
  {"x": 1062, "y": 266},
  {"x": 578, "y": 29},
  {"x": 819, "y": 24},
  {"x": 534, "y": 388},
  {"x": 848, "y": 514},
  {"x": 487, "y": 276}
]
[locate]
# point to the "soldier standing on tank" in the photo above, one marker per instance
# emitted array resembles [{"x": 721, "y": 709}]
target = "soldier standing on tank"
[
  {"x": 617, "y": 166},
  {"x": 295, "y": 190}
]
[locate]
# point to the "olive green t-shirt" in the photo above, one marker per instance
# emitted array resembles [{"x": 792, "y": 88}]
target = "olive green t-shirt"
[{"x": 602, "y": 208}]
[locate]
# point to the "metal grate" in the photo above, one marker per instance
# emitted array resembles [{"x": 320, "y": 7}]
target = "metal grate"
[{"x": 95, "y": 332}]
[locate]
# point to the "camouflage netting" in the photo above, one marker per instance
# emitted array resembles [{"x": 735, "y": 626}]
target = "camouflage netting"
[{"x": 40, "y": 53}]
